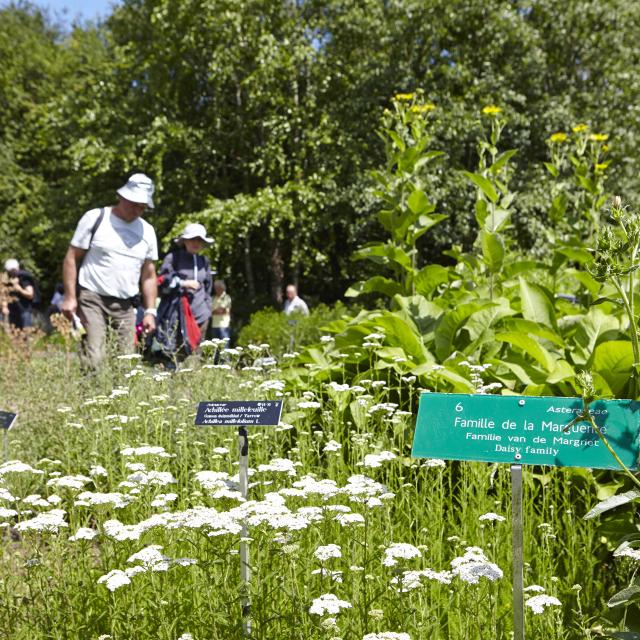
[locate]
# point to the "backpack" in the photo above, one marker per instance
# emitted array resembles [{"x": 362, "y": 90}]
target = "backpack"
[{"x": 37, "y": 297}]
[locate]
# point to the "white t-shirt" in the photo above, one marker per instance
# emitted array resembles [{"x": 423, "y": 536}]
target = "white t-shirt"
[
  {"x": 297, "y": 305},
  {"x": 111, "y": 267}
]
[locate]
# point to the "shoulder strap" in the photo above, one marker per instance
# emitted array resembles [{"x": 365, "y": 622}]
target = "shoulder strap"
[{"x": 97, "y": 223}]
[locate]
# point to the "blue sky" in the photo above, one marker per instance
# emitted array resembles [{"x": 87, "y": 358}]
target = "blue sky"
[{"x": 68, "y": 10}]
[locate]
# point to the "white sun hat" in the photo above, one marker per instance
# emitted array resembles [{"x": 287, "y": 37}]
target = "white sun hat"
[
  {"x": 195, "y": 230},
  {"x": 11, "y": 265},
  {"x": 139, "y": 189}
]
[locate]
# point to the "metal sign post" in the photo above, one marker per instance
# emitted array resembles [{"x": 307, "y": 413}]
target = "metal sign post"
[
  {"x": 241, "y": 414},
  {"x": 518, "y": 553},
  {"x": 245, "y": 568}
]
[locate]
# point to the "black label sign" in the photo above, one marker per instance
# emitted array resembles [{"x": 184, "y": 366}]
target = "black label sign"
[
  {"x": 7, "y": 419},
  {"x": 240, "y": 413}
]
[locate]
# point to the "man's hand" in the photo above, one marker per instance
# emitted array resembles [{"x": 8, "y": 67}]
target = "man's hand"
[
  {"x": 148, "y": 323},
  {"x": 69, "y": 307},
  {"x": 194, "y": 285}
]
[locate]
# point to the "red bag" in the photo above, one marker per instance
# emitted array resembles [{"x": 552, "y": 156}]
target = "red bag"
[{"x": 192, "y": 330}]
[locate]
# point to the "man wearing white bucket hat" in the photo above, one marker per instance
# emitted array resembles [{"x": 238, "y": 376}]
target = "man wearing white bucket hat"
[{"x": 110, "y": 259}]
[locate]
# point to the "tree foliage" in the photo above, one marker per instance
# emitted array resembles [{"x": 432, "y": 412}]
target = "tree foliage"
[{"x": 259, "y": 118}]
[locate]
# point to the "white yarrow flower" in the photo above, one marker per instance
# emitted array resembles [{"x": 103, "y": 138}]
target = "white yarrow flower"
[
  {"x": 474, "y": 565},
  {"x": 114, "y": 579},
  {"x": 538, "y": 603},
  {"x": 328, "y": 603},
  {"x": 328, "y": 551},
  {"x": 492, "y": 517},
  {"x": 399, "y": 551},
  {"x": 50, "y": 522},
  {"x": 83, "y": 533}
]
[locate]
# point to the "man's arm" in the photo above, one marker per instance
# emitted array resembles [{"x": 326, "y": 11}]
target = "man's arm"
[
  {"x": 25, "y": 292},
  {"x": 70, "y": 264},
  {"x": 149, "y": 286}
]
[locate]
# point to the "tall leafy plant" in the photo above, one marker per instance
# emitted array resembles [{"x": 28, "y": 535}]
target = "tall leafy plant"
[{"x": 407, "y": 212}]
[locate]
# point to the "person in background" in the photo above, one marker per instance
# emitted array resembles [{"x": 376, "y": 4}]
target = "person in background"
[
  {"x": 55, "y": 306},
  {"x": 110, "y": 259},
  {"x": 22, "y": 295},
  {"x": 185, "y": 287},
  {"x": 221, "y": 310},
  {"x": 293, "y": 303}
]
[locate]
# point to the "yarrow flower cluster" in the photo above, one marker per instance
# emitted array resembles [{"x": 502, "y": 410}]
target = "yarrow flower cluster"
[
  {"x": 474, "y": 565},
  {"x": 538, "y": 603},
  {"x": 328, "y": 603},
  {"x": 399, "y": 551},
  {"x": 327, "y": 552}
]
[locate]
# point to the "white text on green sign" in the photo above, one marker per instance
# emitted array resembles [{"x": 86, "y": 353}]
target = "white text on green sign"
[{"x": 526, "y": 430}]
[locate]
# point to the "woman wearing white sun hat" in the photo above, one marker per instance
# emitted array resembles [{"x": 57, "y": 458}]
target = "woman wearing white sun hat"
[{"x": 185, "y": 285}]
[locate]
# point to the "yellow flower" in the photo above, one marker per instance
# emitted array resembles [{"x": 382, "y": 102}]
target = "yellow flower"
[
  {"x": 558, "y": 137},
  {"x": 601, "y": 166},
  {"x": 599, "y": 137},
  {"x": 404, "y": 97},
  {"x": 491, "y": 110},
  {"x": 579, "y": 128},
  {"x": 605, "y": 148},
  {"x": 423, "y": 108}
]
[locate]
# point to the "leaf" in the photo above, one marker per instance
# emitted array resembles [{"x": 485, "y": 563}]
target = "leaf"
[
  {"x": 496, "y": 220},
  {"x": 418, "y": 201},
  {"x": 481, "y": 212},
  {"x": 611, "y": 503},
  {"x": 613, "y": 360},
  {"x": 591, "y": 326},
  {"x": 492, "y": 250},
  {"x": 438, "y": 372},
  {"x": 383, "y": 253},
  {"x": 484, "y": 320},
  {"x": 450, "y": 323},
  {"x": 576, "y": 254},
  {"x": 376, "y": 284},
  {"x": 512, "y": 269},
  {"x": 530, "y": 346},
  {"x": 585, "y": 279},
  {"x": 524, "y": 371},
  {"x": 424, "y": 223},
  {"x": 625, "y": 595},
  {"x": 562, "y": 371},
  {"x": 588, "y": 184},
  {"x": 398, "y": 141},
  {"x": 534, "y": 328},
  {"x": 551, "y": 169},
  {"x": 401, "y": 332},
  {"x": 483, "y": 184},
  {"x": 420, "y": 311},
  {"x": 536, "y": 305},
  {"x": 502, "y": 160},
  {"x": 429, "y": 277},
  {"x": 427, "y": 157}
]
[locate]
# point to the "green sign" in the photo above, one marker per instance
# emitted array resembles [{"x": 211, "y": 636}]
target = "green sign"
[{"x": 526, "y": 430}]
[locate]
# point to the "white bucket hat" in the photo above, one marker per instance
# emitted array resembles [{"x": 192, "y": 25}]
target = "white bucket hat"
[
  {"x": 11, "y": 265},
  {"x": 139, "y": 189},
  {"x": 195, "y": 230}
]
